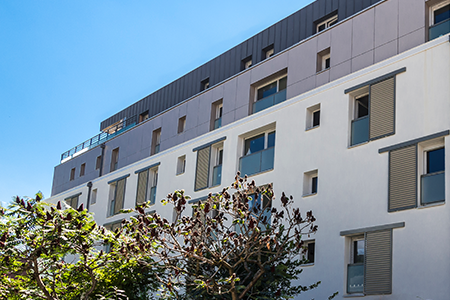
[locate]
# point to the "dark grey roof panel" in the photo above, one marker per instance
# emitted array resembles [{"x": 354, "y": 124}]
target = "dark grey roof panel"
[{"x": 282, "y": 35}]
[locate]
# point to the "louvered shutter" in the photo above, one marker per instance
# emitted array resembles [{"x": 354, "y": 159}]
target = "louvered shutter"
[
  {"x": 141, "y": 195},
  {"x": 403, "y": 178},
  {"x": 378, "y": 263},
  {"x": 120, "y": 193},
  {"x": 202, "y": 172},
  {"x": 382, "y": 105}
]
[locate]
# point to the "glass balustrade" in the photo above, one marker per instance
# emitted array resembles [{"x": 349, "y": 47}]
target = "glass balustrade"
[
  {"x": 355, "y": 278},
  {"x": 218, "y": 123},
  {"x": 257, "y": 162},
  {"x": 360, "y": 130},
  {"x": 439, "y": 29},
  {"x": 269, "y": 101},
  {"x": 217, "y": 175},
  {"x": 153, "y": 194},
  {"x": 433, "y": 187}
]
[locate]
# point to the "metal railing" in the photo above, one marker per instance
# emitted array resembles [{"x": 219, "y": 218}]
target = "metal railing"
[
  {"x": 438, "y": 29},
  {"x": 100, "y": 138},
  {"x": 360, "y": 130},
  {"x": 269, "y": 101},
  {"x": 433, "y": 187},
  {"x": 257, "y": 162},
  {"x": 355, "y": 278}
]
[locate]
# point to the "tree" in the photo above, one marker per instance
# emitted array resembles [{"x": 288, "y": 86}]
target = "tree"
[
  {"x": 50, "y": 253},
  {"x": 237, "y": 245}
]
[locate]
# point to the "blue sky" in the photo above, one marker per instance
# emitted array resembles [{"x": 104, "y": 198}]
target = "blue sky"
[{"x": 67, "y": 65}]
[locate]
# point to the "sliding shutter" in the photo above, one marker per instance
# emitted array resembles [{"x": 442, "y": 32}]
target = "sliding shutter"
[
  {"x": 141, "y": 194},
  {"x": 382, "y": 108},
  {"x": 403, "y": 178},
  {"x": 120, "y": 193},
  {"x": 202, "y": 172},
  {"x": 378, "y": 263}
]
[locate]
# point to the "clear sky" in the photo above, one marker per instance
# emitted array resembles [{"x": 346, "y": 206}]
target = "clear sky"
[{"x": 65, "y": 66}]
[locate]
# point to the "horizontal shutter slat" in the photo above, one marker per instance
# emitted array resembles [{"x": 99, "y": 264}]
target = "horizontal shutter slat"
[
  {"x": 403, "y": 178},
  {"x": 382, "y": 108},
  {"x": 378, "y": 263},
  {"x": 120, "y": 191},
  {"x": 201, "y": 176}
]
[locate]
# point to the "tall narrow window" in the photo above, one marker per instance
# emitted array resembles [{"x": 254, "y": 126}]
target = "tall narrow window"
[
  {"x": 82, "y": 169},
  {"x": 204, "y": 85},
  {"x": 94, "y": 196},
  {"x": 181, "y": 124},
  {"x": 433, "y": 180},
  {"x": 217, "y": 168},
  {"x": 117, "y": 195},
  {"x": 98, "y": 162},
  {"x": 309, "y": 251},
  {"x": 147, "y": 182},
  {"x": 114, "y": 159},
  {"x": 209, "y": 164},
  {"x": 216, "y": 114},
  {"x": 156, "y": 141},
  {"x": 72, "y": 174},
  {"x": 181, "y": 164}
]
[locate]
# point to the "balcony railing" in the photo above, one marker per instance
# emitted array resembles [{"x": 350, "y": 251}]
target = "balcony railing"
[
  {"x": 218, "y": 123},
  {"x": 439, "y": 29},
  {"x": 217, "y": 175},
  {"x": 433, "y": 187},
  {"x": 257, "y": 162},
  {"x": 360, "y": 130},
  {"x": 99, "y": 138},
  {"x": 269, "y": 101},
  {"x": 153, "y": 195},
  {"x": 355, "y": 278}
]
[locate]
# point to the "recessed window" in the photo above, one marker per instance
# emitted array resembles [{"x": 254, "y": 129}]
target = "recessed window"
[
  {"x": 144, "y": 116},
  {"x": 270, "y": 94},
  {"x": 181, "y": 165},
  {"x": 310, "y": 183},
  {"x": 268, "y": 52},
  {"x": 360, "y": 123},
  {"x": 323, "y": 60},
  {"x": 146, "y": 187},
  {"x": 204, "y": 85},
  {"x": 94, "y": 196},
  {"x": 156, "y": 141},
  {"x": 355, "y": 276},
  {"x": 433, "y": 179},
  {"x": 309, "y": 252},
  {"x": 246, "y": 63},
  {"x": 327, "y": 23},
  {"x": 116, "y": 196},
  {"x": 181, "y": 124},
  {"x": 82, "y": 169},
  {"x": 209, "y": 165},
  {"x": 72, "y": 174},
  {"x": 98, "y": 162},
  {"x": 217, "y": 168},
  {"x": 72, "y": 201},
  {"x": 258, "y": 153},
  {"x": 313, "y": 116},
  {"x": 114, "y": 159}
]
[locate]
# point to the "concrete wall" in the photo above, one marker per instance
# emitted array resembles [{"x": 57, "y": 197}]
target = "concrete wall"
[
  {"x": 353, "y": 181},
  {"x": 374, "y": 35}
]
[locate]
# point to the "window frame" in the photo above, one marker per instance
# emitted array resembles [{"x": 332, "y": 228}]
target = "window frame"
[
  {"x": 306, "y": 254},
  {"x": 308, "y": 183},
  {"x": 435, "y": 7},
  {"x": 114, "y": 159},
  {"x": 181, "y": 165},
  {"x": 262, "y": 85},
  {"x": 423, "y": 149},
  {"x": 181, "y": 124},
  {"x": 82, "y": 169},
  {"x": 72, "y": 174},
  {"x": 156, "y": 141},
  {"x": 327, "y": 23},
  {"x": 150, "y": 183}
]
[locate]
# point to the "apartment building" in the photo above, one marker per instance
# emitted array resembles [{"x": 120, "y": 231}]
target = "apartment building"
[{"x": 352, "y": 92}]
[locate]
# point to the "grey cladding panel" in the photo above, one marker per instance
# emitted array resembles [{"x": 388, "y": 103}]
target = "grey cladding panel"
[
  {"x": 378, "y": 263},
  {"x": 382, "y": 108},
  {"x": 202, "y": 172},
  {"x": 403, "y": 178}
]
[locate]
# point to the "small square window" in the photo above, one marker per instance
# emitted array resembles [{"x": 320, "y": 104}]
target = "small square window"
[
  {"x": 204, "y": 84},
  {"x": 323, "y": 60},
  {"x": 313, "y": 116},
  {"x": 268, "y": 52},
  {"x": 82, "y": 169},
  {"x": 181, "y": 164},
  {"x": 246, "y": 63},
  {"x": 144, "y": 116},
  {"x": 72, "y": 174},
  {"x": 310, "y": 183},
  {"x": 181, "y": 124}
]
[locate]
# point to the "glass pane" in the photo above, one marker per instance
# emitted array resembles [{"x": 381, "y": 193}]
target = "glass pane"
[
  {"x": 217, "y": 123},
  {"x": 250, "y": 164},
  {"x": 153, "y": 195},
  {"x": 267, "y": 159},
  {"x": 254, "y": 144},
  {"x": 360, "y": 131},
  {"x": 442, "y": 14},
  {"x": 311, "y": 247},
  {"x": 321, "y": 27},
  {"x": 358, "y": 251},
  {"x": 279, "y": 97},
  {"x": 314, "y": 185},
  {"x": 433, "y": 188},
  {"x": 355, "y": 279},
  {"x": 217, "y": 175},
  {"x": 316, "y": 118},
  {"x": 271, "y": 140},
  {"x": 435, "y": 161},
  {"x": 282, "y": 84},
  {"x": 267, "y": 90},
  {"x": 263, "y": 104},
  {"x": 439, "y": 30},
  {"x": 362, "y": 106}
]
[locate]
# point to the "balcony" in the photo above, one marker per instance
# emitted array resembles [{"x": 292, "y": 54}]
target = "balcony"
[
  {"x": 439, "y": 29},
  {"x": 355, "y": 278},
  {"x": 218, "y": 123},
  {"x": 360, "y": 130},
  {"x": 257, "y": 162},
  {"x": 269, "y": 101},
  {"x": 153, "y": 194},
  {"x": 100, "y": 138},
  {"x": 217, "y": 175},
  {"x": 433, "y": 187}
]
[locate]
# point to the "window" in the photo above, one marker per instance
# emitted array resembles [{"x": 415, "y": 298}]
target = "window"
[
  {"x": 267, "y": 52},
  {"x": 270, "y": 94},
  {"x": 156, "y": 141},
  {"x": 147, "y": 183},
  {"x": 327, "y": 23},
  {"x": 181, "y": 124},
  {"x": 216, "y": 114},
  {"x": 246, "y": 63},
  {"x": 258, "y": 153},
  {"x": 258, "y": 204},
  {"x": 323, "y": 60},
  {"x": 111, "y": 227},
  {"x": 373, "y": 108},
  {"x": 94, "y": 196},
  {"x": 313, "y": 117},
  {"x": 116, "y": 195},
  {"x": 309, "y": 251},
  {"x": 369, "y": 259},
  {"x": 98, "y": 162},
  {"x": 72, "y": 201},
  {"x": 424, "y": 156},
  {"x": 439, "y": 20},
  {"x": 114, "y": 159},
  {"x": 72, "y": 174},
  {"x": 181, "y": 164},
  {"x": 310, "y": 183},
  {"x": 82, "y": 169},
  {"x": 209, "y": 164},
  {"x": 144, "y": 116},
  {"x": 204, "y": 85}
]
